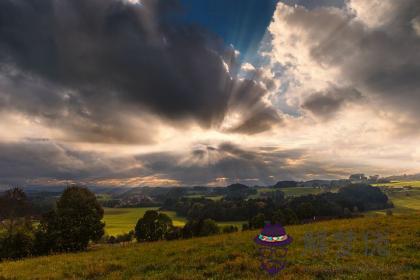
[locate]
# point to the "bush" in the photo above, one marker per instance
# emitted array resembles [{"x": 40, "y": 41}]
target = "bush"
[
  {"x": 346, "y": 213},
  {"x": 258, "y": 221},
  {"x": 111, "y": 240},
  {"x": 278, "y": 217},
  {"x": 229, "y": 229},
  {"x": 208, "y": 227},
  {"x": 125, "y": 237},
  {"x": 204, "y": 227},
  {"x": 245, "y": 227},
  {"x": 18, "y": 244},
  {"x": 174, "y": 233}
]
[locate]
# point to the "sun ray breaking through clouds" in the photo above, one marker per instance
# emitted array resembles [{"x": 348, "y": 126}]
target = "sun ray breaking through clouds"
[{"x": 133, "y": 93}]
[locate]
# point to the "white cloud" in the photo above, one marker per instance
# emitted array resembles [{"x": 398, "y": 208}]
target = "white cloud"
[{"x": 416, "y": 25}]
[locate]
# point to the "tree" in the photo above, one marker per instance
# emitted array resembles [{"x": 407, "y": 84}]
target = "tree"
[
  {"x": 73, "y": 224},
  {"x": 14, "y": 209},
  {"x": 17, "y": 244},
  {"x": 16, "y": 238},
  {"x": 291, "y": 218},
  {"x": 286, "y": 184},
  {"x": 153, "y": 226},
  {"x": 305, "y": 210},
  {"x": 203, "y": 227},
  {"x": 365, "y": 197},
  {"x": 229, "y": 229},
  {"x": 277, "y": 196},
  {"x": 245, "y": 227},
  {"x": 258, "y": 221},
  {"x": 279, "y": 217},
  {"x": 208, "y": 227}
]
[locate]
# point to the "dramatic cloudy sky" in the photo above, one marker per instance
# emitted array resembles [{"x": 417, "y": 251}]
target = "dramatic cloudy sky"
[{"x": 209, "y": 92}]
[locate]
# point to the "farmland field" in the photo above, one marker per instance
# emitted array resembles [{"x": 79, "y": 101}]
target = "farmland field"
[
  {"x": 405, "y": 201},
  {"x": 414, "y": 184},
  {"x": 122, "y": 220},
  {"x": 234, "y": 256}
]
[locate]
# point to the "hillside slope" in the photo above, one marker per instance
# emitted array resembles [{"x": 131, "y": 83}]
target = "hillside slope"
[{"x": 234, "y": 256}]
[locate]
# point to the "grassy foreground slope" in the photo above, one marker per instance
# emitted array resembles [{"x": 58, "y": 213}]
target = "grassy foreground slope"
[{"x": 234, "y": 256}]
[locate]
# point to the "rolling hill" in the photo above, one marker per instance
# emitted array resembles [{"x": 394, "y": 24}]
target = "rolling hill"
[{"x": 234, "y": 256}]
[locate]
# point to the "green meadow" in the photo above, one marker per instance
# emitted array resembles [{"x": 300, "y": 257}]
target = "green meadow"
[
  {"x": 414, "y": 184},
  {"x": 405, "y": 201},
  {"x": 234, "y": 256},
  {"x": 122, "y": 220}
]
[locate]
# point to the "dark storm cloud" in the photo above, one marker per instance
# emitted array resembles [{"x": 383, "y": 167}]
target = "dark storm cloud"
[
  {"x": 232, "y": 163},
  {"x": 257, "y": 116},
  {"x": 41, "y": 161},
  {"x": 96, "y": 58},
  {"x": 380, "y": 58},
  {"x": 258, "y": 122},
  {"x": 34, "y": 159},
  {"x": 326, "y": 104},
  {"x": 93, "y": 121}
]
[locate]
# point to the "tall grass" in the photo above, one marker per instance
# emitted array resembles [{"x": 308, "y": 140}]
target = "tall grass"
[{"x": 234, "y": 256}]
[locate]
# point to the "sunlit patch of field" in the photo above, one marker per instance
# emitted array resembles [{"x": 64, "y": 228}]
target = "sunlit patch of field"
[
  {"x": 122, "y": 220},
  {"x": 234, "y": 256},
  {"x": 405, "y": 201},
  {"x": 414, "y": 184}
]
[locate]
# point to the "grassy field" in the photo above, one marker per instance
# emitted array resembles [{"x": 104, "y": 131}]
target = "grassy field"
[
  {"x": 234, "y": 256},
  {"x": 414, "y": 184},
  {"x": 122, "y": 220},
  {"x": 405, "y": 201}
]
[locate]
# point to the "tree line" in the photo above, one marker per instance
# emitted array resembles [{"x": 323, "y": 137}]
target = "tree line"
[
  {"x": 75, "y": 222},
  {"x": 71, "y": 225},
  {"x": 348, "y": 201}
]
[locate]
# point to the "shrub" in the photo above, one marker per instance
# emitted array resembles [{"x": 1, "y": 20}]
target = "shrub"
[
  {"x": 202, "y": 227},
  {"x": 18, "y": 244},
  {"x": 208, "y": 227},
  {"x": 229, "y": 229},
  {"x": 153, "y": 226},
  {"x": 346, "y": 213},
  {"x": 258, "y": 221},
  {"x": 174, "y": 233}
]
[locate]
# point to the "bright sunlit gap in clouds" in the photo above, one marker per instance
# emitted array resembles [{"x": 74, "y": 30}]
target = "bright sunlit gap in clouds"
[{"x": 208, "y": 92}]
